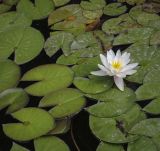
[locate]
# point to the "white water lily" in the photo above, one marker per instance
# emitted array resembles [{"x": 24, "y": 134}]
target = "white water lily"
[{"x": 116, "y": 65}]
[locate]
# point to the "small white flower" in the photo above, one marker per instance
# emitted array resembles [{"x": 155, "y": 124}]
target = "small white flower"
[{"x": 117, "y": 66}]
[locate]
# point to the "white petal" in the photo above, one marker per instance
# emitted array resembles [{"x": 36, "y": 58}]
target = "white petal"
[
  {"x": 129, "y": 67},
  {"x": 103, "y": 68},
  {"x": 118, "y": 55},
  {"x": 110, "y": 56},
  {"x": 99, "y": 73},
  {"x": 130, "y": 72},
  {"x": 119, "y": 82},
  {"x": 125, "y": 58},
  {"x": 104, "y": 60},
  {"x": 121, "y": 75}
]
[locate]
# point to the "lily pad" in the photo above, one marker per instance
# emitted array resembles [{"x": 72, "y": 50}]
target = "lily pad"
[
  {"x": 156, "y": 140},
  {"x": 14, "y": 98},
  {"x": 154, "y": 40},
  {"x": 38, "y": 10},
  {"x": 114, "y": 95},
  {"x": 66, "y": 101},
  {"x": 114, "y": 9},
  {"x": 92, "y": 15},
  {"x": 10, "y": 19},
  {"x": 93, "y": 4},
  {"x": 109, "y": 147},
  {"x": 9, "y": 74},
  {"x": 31, "y": 124},
  {"x": 58, "y": 40},
  {"x": 110, "y": 109},
  {"x": 142, "y": 144},
  {"x": 148, "y": 91},
  {"x": 106, "y": 130},
  {"x": 147, "y": 127},
  {"x": 134, "y": 35},
  {"x": 58, "y": 3},
  {"x": 153, "y": 107},
  {"x": 49, "y": 77},
  {"x": 26, "y": 42},
  {"x": 62, "y": 126},
  {"x": 93, "y": 85},
  {"x": 16, "y": 147},
  {"x": 50, "y": 143}
]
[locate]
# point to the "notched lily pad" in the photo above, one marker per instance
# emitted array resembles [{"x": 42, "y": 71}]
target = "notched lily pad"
[
  {"x": 9, "y": 74},
  {"x": 16, "y": 147},
  {"x": 31, "y": 124},
  {"x": 14, "y": 98},
  {"x": 66, "y": 102},
  {"x": 49, "y": 77},
  {"x": 58, "y": 3},
  {"x": 93, "y": 85},
  {"x": 114, "y": 9},
  {"x": 49, "y": 143}
]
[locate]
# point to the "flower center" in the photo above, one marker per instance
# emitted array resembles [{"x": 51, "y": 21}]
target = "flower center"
[{"x": 116, "y": 65}]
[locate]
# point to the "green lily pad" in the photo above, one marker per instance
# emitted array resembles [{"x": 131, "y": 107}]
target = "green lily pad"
[
  {"x": 106, "y": 130},
  {"x": 144, "y": 18},
  {"x": 114, "y": 9},
  {"x": 50, "y": 143},
  {"x": 67, "y": 102},
  {"x": 131, "y": 117},
  {"x": 11, "y": 19},
  {"x": 114, "y": 95},
  {"x": 16, "y": 147},
  {"x": 148, "y": 91},
  {"x": 58, "y": 40},
  {"x": 134, "y": 35},
  {"x": 132, "y": 2},
  {"x": 31, "y": 124},
  {"x": 84, "y": 69},
  {"x": 62, "y": 126},
  {"x": 109, "y": 147},
  {"x": 154, "y": 40},
  {"x": 93, "y": 4},
  {"x": 156, "y": 140},
  {"x": 14, "y": 98},
  {"x": 93, "y": 85},
  {"x": 49, "y": 77},
  {"x": 26, "y": 42},
  {"x": 58, "y": 3},
  {"x": 92, "y": 14},
  {"x": 4, "y": 8},
  {"x": 110, "y": 109},
  {"x": 9, "y": 74},
  {"x": 147, "y": 127},
  {"x": 153, "y": 107},
  {"x": 142, "y": 144},
  {"x": 38, "y": 10}
]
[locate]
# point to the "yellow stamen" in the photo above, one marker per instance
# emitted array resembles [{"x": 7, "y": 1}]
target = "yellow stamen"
[{"x": 116, "y": 65}]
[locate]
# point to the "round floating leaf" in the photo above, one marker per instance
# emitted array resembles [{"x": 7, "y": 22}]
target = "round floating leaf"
[
  {"x": 153, "y": 107},
  {"x": 106, "y": 130},
  {"x": 14, "y": 98},
  {"x": 109, "y": 147},
  {"x": 156, "y": 140},
  {"x": 9, "y": 74},
  {"x": 60, "y": 2},
  {"x": 154, "y": 40},
  {"x": 62, "y": 126},
  {"x": 10, "y": 19},
  {"x": 142, "y": 144},
  {"x": 110, "y": 109},
  {"x": 27, "y": 43},
  {"x": 4, "y": 8},
  {"x": 114, "y": 95},
  {"x": 148, "y": 91},
  {"x": 58, "y": 40},
  {"x": 31, "y": 126},
  {"x": 50, "y": 143},
  {"x": 39, "y": 10},
  {"x": 93, "y": 85},
  {"x": 92, "y": 14},
  {"x": 134, "y": 35},
  {"x": 16, "y": 147},
  {"x": 114, "y": 9},
  {"x": 93, "y": 4},
  {"x": 131, "y": 117},
  {"x": 66, "y": 101},
  {"x": 148, "y": 127},
  {"x": 144, "y": 18},
  {"x": 49, "y": 77}
]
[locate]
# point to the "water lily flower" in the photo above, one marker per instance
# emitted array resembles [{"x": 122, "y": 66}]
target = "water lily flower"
[{"x": 116, "y": 65}]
